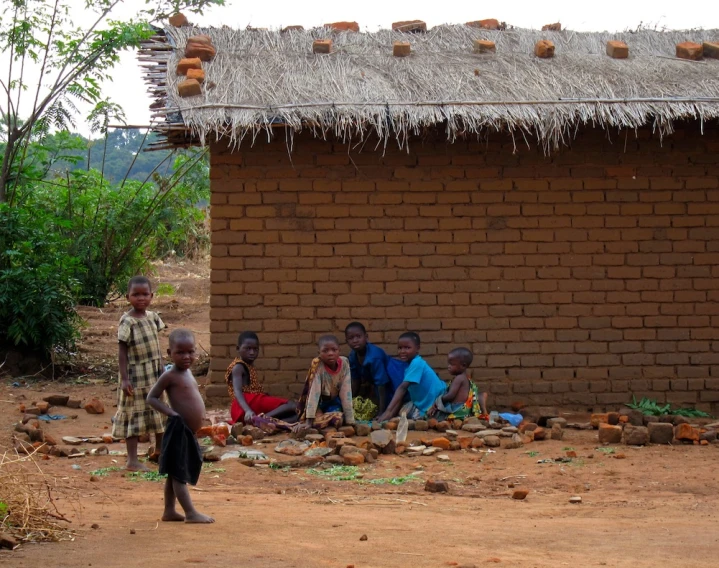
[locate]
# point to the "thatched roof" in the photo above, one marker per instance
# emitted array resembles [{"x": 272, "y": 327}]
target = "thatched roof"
[{"x": 263, "y": 78}]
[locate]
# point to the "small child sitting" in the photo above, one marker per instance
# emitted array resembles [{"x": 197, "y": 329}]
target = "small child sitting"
[
  {"x": 420, "y": 381},
  {"x": 462, "y": 398},
  {"x": 181, "y": 457},
  {"x": 368, "y": 364},
  {"x": 247, "y": 391},
  {"x": 327, "y": 394}
]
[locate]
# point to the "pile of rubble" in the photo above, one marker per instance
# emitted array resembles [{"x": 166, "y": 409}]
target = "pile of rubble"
[{"x": 29, "y": 435}]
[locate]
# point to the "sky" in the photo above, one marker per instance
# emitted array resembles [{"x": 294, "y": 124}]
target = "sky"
[{"x": 128, "y": 89}]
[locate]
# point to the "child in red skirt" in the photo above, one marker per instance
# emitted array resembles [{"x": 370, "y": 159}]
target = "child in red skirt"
[{"x": 245, "y": 389}]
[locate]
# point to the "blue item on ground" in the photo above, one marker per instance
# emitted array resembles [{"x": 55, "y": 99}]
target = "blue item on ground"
[
  {"x": 514, "y": 419},
  {"x": 48, "y": 417}
]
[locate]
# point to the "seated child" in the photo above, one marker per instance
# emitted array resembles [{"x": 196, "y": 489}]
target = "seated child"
[
  {"x": 462, "y": 398},
  {"x": 328, "y": 388},
  {"x": 246, "y": 390},
  {"x": 368, "y": 364},
  {"x": 420, "y": 381},
  {"x": 181, "y": 457}
]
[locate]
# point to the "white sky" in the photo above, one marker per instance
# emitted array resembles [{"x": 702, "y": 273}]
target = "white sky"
[{"x": 128, "y": 89}]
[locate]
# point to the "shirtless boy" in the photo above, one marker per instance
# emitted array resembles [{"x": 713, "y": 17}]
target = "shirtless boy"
[{"x": 181, "y": 457}]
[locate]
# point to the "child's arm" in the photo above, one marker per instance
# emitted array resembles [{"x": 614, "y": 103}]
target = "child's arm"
[
  {"x": 395, "y": 404},
  {"x": 125, "y": 383},
  {"x": 346, "y": 394},
  {"x": 453, "y": 389},
  {"x": 239, "y": 380},
  {"x": 153, "y": 397},
  {"x": 313, "y": 402}
]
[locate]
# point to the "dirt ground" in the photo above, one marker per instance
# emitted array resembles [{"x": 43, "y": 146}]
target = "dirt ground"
[{"x": 655, "y": 506}]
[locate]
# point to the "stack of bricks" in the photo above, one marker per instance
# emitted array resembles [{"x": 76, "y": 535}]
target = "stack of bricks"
[{"x": 577, "y": 278}]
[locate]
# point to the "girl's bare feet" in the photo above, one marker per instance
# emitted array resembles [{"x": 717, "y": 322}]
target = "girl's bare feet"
[
  {"x": 136, "y": 466},
  {"x": 198, "y": 518},
  {"x": 172, "y": 516}
]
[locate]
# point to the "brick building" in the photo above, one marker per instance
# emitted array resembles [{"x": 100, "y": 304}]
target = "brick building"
[{"x": 559, "y": 216}]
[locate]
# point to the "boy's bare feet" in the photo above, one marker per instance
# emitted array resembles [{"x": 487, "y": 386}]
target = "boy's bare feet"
[
  {"x": 136, "y": 466},
  {"x": 198, "y": 518},
  {"x": 172, "y": 516}
]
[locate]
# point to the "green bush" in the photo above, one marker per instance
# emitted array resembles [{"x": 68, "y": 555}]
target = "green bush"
[
  {"x": 37, "y": 282},
  {"x": 116, "y": 230}
]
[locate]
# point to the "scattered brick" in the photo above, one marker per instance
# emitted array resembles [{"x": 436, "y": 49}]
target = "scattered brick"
[
  {"x": 686, "y": 433},
  {"x": 689, "y": 50},
  {"x": 410, "y": 26},
  {"x": 401, "y": 49},
  {"x": 711, "y": 49},
  {"x": 189, "y": 88},
  {"x": 520, "y": 494},
  {"x": 292, "y": 29},
  {"x": 43, "y": 407},
  {"x": 490, "y": 24},
  {"x": 556, "y": 27},
  {"x": 322, "y": 46},
  {"x": 57, "y": 399},
  {"x": 196, "y": 74},
  {"x": 178, "y": 20},
  {"x": 186, "y": 64},
  {"x": 636, "y": 435},
  {"x": 597, "y": 419},
  {"x": 436, "y": 486},
  {"x": 343, "y": 26},
  {"x": 617, "y": 49},
  {"x": 544, "y": 49},
  {"x": 609, "y": 434},
  {"x": 442, "y": 443},
  {"x": 200, "y": 46},
  {"x": 484, "y": 46},
  {"x": 660, "y": 433},
  {"x": 540, "y": 434},
  {"x": 355, "y": 458}
]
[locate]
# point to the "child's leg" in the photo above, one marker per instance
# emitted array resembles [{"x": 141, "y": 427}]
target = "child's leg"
[
  {"x": 133, "y": 464},
  {"x": 192, "y": 515},
  {"x": 287, "y": 409},
  {"x": 170, "y": 513}
]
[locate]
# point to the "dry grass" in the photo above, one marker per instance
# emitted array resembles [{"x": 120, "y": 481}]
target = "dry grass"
[
  {"x": 265, "y": 78},
  {"x": 27, "y": 500}
]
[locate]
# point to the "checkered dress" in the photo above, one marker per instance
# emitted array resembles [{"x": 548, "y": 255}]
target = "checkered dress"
[{"x": 144, "y": 366}]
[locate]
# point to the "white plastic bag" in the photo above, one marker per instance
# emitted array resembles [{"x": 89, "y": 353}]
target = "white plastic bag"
[{"x": 402, "y": 428}]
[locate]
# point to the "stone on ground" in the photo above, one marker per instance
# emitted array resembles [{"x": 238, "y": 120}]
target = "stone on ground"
[
  {"x": 609, "y": 434},
  {"x": 660, "y": 433},
  {"x": 636, "y": 435},
  {"x": 436, "y": 486}
]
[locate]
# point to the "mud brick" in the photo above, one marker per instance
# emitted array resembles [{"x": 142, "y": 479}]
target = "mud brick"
[
  {"x": 617, "y": 49},
  {"x": 401, "y": 49},
  {"x": 689, "y": 50},
  {"x": 186, "y": 64},
  {"x": 544, "y": 49},
  {"x": 189, "y": 88},
  {"x": 489, "y": 24},
  {"x": 410, "y": 26},
  {"x": 322, "y": 46},
  {"x": 343, "y": 26},
  {"x": 711, "y": 50},
  {"x": 484, "y": 46}
]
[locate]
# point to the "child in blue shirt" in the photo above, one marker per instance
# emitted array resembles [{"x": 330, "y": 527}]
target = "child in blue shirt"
[
  {"x": 420, "y": 381},
  {"x": 368, "y": 364}
]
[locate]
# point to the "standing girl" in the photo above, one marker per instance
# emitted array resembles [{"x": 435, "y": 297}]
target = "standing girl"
[{"x": 140, "y": 367}]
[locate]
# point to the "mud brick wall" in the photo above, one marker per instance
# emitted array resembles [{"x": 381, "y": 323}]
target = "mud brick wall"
[{"x": 576, "y": 278}]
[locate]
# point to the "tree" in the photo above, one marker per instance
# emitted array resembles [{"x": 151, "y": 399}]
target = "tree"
[{"x": 72, "y": 64}]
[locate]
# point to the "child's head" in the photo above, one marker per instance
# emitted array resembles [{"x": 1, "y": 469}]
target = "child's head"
[
  {"x": 182, "y": 348},
  {"x": 408, "y": 346},
  {"x": 356, "y": 336},
  {"x": 459, "y": 360},
  {"x": 248, "y": 346},
  {"x": 139, "y": 292},
  {"x": 329, "y": 349}
]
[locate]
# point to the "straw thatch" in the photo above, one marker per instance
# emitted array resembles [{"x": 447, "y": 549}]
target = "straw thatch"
[{"x": 263, "y": 78}]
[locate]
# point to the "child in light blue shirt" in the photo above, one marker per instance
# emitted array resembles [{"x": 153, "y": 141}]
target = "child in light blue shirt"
[{"x": 420, "y": 381}]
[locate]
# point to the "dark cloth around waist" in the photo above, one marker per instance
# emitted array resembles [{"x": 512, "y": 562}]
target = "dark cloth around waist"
[{"x": 181, "y": 456}]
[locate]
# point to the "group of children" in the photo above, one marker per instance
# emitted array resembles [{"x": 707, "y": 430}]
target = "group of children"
[{"x": 403, "y": 386}]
